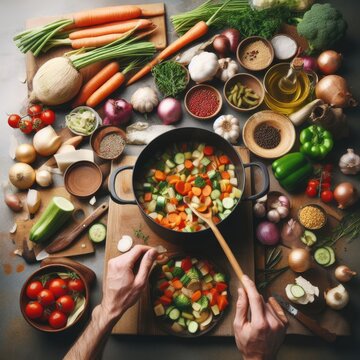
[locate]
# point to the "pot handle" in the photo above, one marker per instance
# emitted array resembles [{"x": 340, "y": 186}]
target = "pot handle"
[
  {"x": 266, "y": 185},
  {"x": 114, "y": 196}
]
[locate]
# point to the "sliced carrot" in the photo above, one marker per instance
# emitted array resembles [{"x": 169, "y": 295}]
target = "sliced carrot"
[
  {"x": 188, "y": 164},
  {"x": 177, "y": 284},
  {"x": 173, "y": 179},
  {"x": 181, "y": 208},
  {"x": 228, "y": 188},
  {"x": 208, "y": 150},
  {"x": 202, "y": 208},
  {"x": 224, "y": 160},
  {"x": 196, "y": 296},
  {"x": 159, "y": 175},
  {"x": 174, "y": 201},
  {"x": 196, "y": 190},
  {"x": 148, "y": 196},
  {"x": 174, "y": 218},
  {"x": 226, "y": 194},
  {"x": 183, "y": 215},
  {"x": 225, "y": 175},
  {"x": 187, "y": 188},
  {"x": 206, "y": 191}
]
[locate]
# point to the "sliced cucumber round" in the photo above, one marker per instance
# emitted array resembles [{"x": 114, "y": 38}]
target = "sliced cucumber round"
[
  {"x": 322, "y": 256},
  {"x": 97, "y": 232},
  {"x": 193, "y": 327},
  {"x": 174, "y": 314},
  {"x": 332, "y": 256},
  {"x": 297, "y": 291}
]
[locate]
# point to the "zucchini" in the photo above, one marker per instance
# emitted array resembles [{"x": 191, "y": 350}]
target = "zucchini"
[
  {"x": 322, "y": 256},
  {"x": 52, "y": 219},
  {"x": 205, "y": 161},
  {"x": 215, "y": 194},
  {"x": 228, "y": 203},
  {"x": 193, "y": 327},
  {"x": 297, "y": 291},
  {"x": 97, "y": 232},
  {"x": 219, "y": 277},
  {"x": 179, "y": 158},
  {"x": 174, "y": 314},
  {"x": 332, "y": 256},
  {"x": 170, "y": 164}
]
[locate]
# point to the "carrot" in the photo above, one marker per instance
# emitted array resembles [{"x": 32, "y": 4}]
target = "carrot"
[
  {"x": 173, "y": 179},
  {"x": 182, "y": 187},
  {"x": 177, "y": 284},
  {"x": 202, "y": 208},
  {"x": 159, "y": 175},
  {"x": 112, "y": 28},
  {"x": 228, "y": 188},
  {"x": 150, "y": 12},
  {"x": 225, "y": 175},
  {"x": 174, "y": 218},
  {"x": 206, "y": 191},
  {"x": 95, "y": 82},
  {"x": 183, "y": 215},
  {"x": 196, "y": 191},
  {"x": 96, "y": 41},
  {"x": 105, "y": 15},
  {"x": 188, "y": 164},
  {"x": 208, "y": 150},
  {"x": 174, "y": 201},
  {"x": 215, "y": 219},
  {"x": 148, "y": 196},
  {"x": 105, "y": 90},
  {"x": 223, "y": 159},
  {"x": 196, "y": 296}
]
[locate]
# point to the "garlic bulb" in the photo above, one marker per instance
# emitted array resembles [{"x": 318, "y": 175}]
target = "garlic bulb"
[
  {"x": 43, "y": 178},
  {"x": 228, "y": 127},
  {"x": 350, "y": 163},
  {"x": 337, "y": 297},
  {"x": 227, "y": 69},
  {"x": 203, "y": 67},
  {"x": 144, "y": 99}
]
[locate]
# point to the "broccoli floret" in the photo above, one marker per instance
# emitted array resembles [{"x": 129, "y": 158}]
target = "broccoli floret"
[{"x": 322, "y": 26}]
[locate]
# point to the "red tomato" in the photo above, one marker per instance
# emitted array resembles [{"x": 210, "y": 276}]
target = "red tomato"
[
  {"x": 26, "y": 126},
  {"x": 76, "y": 285},
  {"x": 65, "y": 304},
  {"x": 311, "y": 191},
  {"x": 46, "y": 297},
  {"x": 33, "y": 289},
  {"x": 13, "y": 120},
  {"x": 33, "y": 310},
  {"x": 34, "y": 110},
  {"x": 208, "y": 150},
  {"x": 37, "y": 124},
  {"x": 47, "y": 117},
  {"x": 58, "y": 287},
  {"x": 325, "y": 186},
  {"x": 57, "y": 319},
  {"x": 314, "y": 183},
  {"x": 327, "y": 196}
]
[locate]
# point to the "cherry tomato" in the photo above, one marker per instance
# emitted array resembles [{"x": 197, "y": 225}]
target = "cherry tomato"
[
  {"x": 76, "y": 285},
  {"x": 327, "y": 196},
  {"x": 44, "y": 318},
  {"x": 33, "y": 289},
  {"x": 47, "y": 117},
  {"x": 313, "y": 183},
  {"x": 37, "y": 124},
  {"x": 58, "y": 287},
  {"x": 311, "y": 191},
  {"x": 34, "y": 110},
  {"x": 65, "y": 304},
  {"x": 13, "y": 120},
  {"x": 325, "y": 186},
  {"x": 326, "y": 177},
  {"x": 46, "y": 297},
  {"x": 57, "y": 319},
  {"x": 26, "y": 126},
  {"x": 33, "y": 310}
]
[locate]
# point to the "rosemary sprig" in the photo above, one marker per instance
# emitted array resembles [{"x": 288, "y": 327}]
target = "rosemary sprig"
[{"x": 141, "y": 235}]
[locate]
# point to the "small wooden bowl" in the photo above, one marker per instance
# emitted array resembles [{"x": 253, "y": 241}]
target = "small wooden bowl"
[
  {"x": 24, "y": 300},
  {"x": 279, "y": 121},
  {"x": 315, "y": 206},
  {"x": 247, "y": 41},
  {"x": 249, "y": 81},
  {"x": 100, "y": 133},
  {"x": 83, "y": 179},
  {"x": 203, "y": 86}
]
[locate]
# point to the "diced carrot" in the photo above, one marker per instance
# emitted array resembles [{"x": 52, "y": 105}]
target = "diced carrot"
[
  {"x": 148, "y": 196},
  {"x": 196, "y": 190},
  {"x": 174, "y": 218},
  {"x": 174, "y": 201},
  {"x": 159, "y": 175},
  {"x": 188, "y": 164},
  {"x": 181, "y": 208},
  {"x": 226, "y": 194},
  {"x": 196, "y": 296},
  {"x": 222, "y": 302},
  {"x": 182, "y": 187},
  {"x": 228, "y": 188},
  {"x": 225, "y": 175},
  {"x": 220, "y": 287},
  {"x": 177, "y": 284},
  {"x": 224, "y": 160},
  {"x": 164, "y": 285},
  {"x": 183, "y": 215},
  {"x": 208, "y": 150},
  {"x": 165, "y": 300},
  {"x": 206, "y": 191},
  {"x": 202, "y": 208},
  {"x": 173, "y": 179}
]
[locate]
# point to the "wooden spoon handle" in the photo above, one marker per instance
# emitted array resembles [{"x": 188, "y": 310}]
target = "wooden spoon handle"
[{"x": 229, "y": 254}]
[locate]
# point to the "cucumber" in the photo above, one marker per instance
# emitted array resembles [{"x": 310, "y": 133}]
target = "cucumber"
[
  {"x": 174, "y": 314},
  {"x": 297, "y": 291},
  {"x": 205, "y": 161},
  {"x": 228, "y": 203},
  {"x": 178, "y": 272},
  {"x": 211, "y": 174},
  {"x": 179, "y": 158},
  {"x": 147, "y": 187},
  {"x": 170, "y": 164},
  {"x": 215, "y": 194},
  {"x": 193, "y": 327},
  {"x": 52, "y": 219},
  {"x": 160, "y": 203},
  {"x": 169, "y": 309},
  {"x": 181, "y": 322},
  {"x": 332, "y": 256},
  {"x": 97, "y": 232},
  {"x": 322, "y": 256}
]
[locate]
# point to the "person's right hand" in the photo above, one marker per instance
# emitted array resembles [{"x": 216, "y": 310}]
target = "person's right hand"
[
  {"x": 261, "y": 336},
  {"x": 122, "y": 287}
]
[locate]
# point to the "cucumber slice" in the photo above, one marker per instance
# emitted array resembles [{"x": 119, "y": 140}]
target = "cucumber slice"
[
  {"x": 174, "y": 314},
  {"x": 297, "y": 291},
  {"x": 215, "y": 194},
  {"x": 332, "y": 256},
  {"x": 308, "y": 238},
  {"x": 169, "y": 309},
  {"x": 322, "y": 256},
  {"x": 170, "y": 164},
  {"x": 179, "y": 158},
  {"x": 97, "y": 232},
  {"x": 193, "y": 327},
  {"x": 228, "y": 202}
]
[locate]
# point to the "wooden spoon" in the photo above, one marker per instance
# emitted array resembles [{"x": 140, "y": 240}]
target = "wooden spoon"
[{"x": 207, "y": 217}]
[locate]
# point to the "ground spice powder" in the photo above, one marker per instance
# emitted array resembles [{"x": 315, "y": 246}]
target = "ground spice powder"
[
  {"x": 256, "y": 55},
  {"x": 203, "y": 102}
]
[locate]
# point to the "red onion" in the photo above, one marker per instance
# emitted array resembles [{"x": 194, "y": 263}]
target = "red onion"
[
  {"x": 221, "y": 45},
  {"x": 234, "y": 38},
  {"x": 117, "y": 112},
  {"x": 268, "y": 233},
  {"x": 169, "y": 110},
  {"x": 309, "y": 63}
]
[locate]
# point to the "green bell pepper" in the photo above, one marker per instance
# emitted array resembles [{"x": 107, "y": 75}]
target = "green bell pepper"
[
  {"x": 292, "y": 171},
  {"x": 316, "y": 142}
]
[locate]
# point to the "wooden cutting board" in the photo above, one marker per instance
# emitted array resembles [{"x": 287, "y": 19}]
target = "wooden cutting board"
[
  {"x": 334, "y": 321},
  {"x": 81, "y": 246},
  {"x": 123, "y": 219},
  {"x": 32, "y": 63}
]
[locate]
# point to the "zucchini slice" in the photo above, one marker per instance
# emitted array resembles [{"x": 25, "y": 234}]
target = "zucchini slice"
[{"x": 322, "y": 256}]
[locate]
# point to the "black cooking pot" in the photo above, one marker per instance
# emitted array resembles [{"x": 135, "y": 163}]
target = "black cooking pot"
[{"x": 185, "y": 135}]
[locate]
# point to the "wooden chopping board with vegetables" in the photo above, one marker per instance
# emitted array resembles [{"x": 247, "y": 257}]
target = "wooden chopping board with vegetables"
[
  {"x": 158, "y": 37},
  {"x": 319, "y": 276},
  {"x": 127, "y": 220}
]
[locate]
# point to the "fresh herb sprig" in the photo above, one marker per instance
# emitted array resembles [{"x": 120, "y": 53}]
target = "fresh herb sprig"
[
  {"x": 141, "y": 235},
  {"x": 170, "y": 78}
]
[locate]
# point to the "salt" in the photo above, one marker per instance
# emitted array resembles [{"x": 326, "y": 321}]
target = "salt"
[{"x": 284, "y": 47}]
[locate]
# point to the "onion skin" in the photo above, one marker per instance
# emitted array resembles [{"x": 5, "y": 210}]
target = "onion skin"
[
  {"x": 221, "y": 45},
  {"x": 25, "y": 153},
  {"x": 233, "y": 36},
  {"x": 299, "y": 260},
  {"x": 333, "y": 90},
  {"x": 329, "y": 62},
  {"x": 345, "y": 194},
  {"x": 268, "y": 233},
  {"x": 13, "y": 202},
  {"x": 169, "y": 110},
  {"x": 22, "y": 176}
]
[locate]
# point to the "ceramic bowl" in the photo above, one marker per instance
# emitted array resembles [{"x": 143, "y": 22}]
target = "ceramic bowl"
[
  {"x": 315, "y": 206},
  {"x": 98, "y": 120},
  {"x": 248, "y": 81},
  {"x": 278, "y": 121},
  {"x": 203, "y": 86},
  {"x": 45, "y": 270}
]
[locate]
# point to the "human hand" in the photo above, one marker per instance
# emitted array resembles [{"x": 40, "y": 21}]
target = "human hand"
[
  {"x": 260, "y": 337},
  {"x": 122, "y": 287}
]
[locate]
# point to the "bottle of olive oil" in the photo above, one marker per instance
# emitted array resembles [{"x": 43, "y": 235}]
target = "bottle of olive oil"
[{"x": 287, "y": 87}]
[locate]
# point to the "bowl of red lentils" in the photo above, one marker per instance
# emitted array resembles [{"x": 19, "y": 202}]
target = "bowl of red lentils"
[
  {"x": 203, "y": 102},
  {"x": 312, "y": 216}
]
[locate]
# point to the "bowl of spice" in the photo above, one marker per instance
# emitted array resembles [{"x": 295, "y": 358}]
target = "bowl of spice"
[
  {"x": 312, "y": 216},
  {"x": 108, "y": 142},
  {"x": 255, "y": 53},
  {"x": 203, "y": 102},
  {"x": 285, "y": 46},
  {"x": 244, "y": 92},
  {"x": 268, "y": 134}
]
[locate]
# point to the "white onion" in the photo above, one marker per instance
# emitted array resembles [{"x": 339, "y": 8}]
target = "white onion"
[
  {"x": 169, "y": 110},
  {"x": 22, "y": 176}
]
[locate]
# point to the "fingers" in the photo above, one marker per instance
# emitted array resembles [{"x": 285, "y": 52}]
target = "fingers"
[
  {"x": 134, "y": 254},
  {"x": 242, "y": 306},
  {"x": 255, "y": 300},
  {"x": 145, "y": 267},
  {"x": 278, "y": 310}
]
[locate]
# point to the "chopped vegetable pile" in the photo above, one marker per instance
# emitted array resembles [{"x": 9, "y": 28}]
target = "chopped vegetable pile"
[
  {"x": 81, "y": 121},
  {"x": 189, "y": 294},
  {"x": 200, "y": 172}
]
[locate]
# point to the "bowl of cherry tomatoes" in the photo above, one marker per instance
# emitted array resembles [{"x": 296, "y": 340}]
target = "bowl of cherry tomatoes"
[{"x": 54, "y": 298}]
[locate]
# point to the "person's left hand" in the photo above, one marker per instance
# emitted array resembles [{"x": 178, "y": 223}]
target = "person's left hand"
[{"x": 122, "y": 287}]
